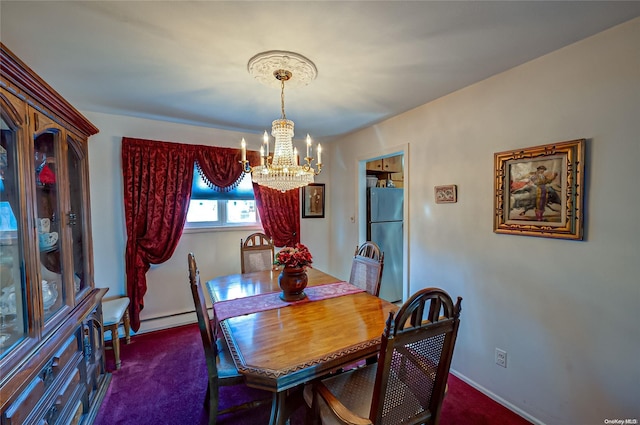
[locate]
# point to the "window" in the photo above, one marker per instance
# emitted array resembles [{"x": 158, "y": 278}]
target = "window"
[{"x": 211, "y": 208}]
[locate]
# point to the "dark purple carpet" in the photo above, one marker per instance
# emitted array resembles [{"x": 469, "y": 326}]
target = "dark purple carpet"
[{"x": 163, "y": 380}]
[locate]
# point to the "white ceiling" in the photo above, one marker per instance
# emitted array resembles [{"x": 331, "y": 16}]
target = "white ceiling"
[{"x": 186, "y": 61}]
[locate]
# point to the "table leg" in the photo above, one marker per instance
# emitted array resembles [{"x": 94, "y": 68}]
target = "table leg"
[
  {"x": 284, "y": 403},
  {"x": 277, "y": 408}
]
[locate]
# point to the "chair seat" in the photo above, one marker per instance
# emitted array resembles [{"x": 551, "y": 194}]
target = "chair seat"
[
  {"x": 113, "y": 310},
  {"x": 353, "y": 388},
  {"x": 226, "y": 367}
]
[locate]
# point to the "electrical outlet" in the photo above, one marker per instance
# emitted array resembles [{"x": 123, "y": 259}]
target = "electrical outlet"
[{"x": 501, "y": 357}]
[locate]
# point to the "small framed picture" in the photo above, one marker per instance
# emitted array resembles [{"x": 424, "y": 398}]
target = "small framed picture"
[
  {"x": 313, "y": 201},
  {"x": 539, "y": 191},
  {"x": 446, "y": 194}
]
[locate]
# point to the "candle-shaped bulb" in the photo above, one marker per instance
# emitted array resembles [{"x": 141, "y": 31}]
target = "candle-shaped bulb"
[
  {"x": 308, "y": 146},
  {"x": 244, "y": 149},
  {"x": 266, "y": 142},
  {"x": 261, "y": 155},
  {"x": 295, "y": 155},
  {"x": 319, "y": 154}
]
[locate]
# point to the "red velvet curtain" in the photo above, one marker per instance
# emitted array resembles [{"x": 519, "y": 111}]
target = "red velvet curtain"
[
  {"x": 280, "y": 214},
  {"x": 157, "y": 189}
]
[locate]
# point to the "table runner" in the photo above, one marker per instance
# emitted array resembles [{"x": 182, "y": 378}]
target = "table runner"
[{"x": 263, "y": 302}]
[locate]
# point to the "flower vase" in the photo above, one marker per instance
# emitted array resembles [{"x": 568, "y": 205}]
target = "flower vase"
[{"x": 292, "y": 281}]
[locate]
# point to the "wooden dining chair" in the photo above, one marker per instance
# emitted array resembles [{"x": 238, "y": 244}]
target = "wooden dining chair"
[
  {"x": 221, "y": 369},
  {"x": 408, "y": 383},
  {"x": 371, "y": 250},
  {"x": 367, "y": 267},
  {"x": 256, "y": 253}
]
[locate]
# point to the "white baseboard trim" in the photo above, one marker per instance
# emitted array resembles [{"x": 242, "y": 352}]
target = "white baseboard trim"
[
  {"x": 497, "y": 398},
  {"x": 166, "y": 322},
  {"x": 158, "y": 324}
]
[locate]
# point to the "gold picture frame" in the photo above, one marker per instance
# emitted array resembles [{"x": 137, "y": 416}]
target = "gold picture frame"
[{"x": 539, "y": 191}]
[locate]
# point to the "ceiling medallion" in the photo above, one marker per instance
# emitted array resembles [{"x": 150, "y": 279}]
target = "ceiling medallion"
[{"x": 263, "y": 66}]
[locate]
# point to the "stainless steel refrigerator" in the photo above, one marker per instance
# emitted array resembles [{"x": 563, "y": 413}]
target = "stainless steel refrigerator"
[{"x": 384, "y": 227}]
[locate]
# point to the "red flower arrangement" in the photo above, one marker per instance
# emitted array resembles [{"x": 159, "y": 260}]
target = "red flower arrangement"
[{"x": 296, "y": 257}]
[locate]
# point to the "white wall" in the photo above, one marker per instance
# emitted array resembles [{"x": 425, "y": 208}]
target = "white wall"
[
  {"x": 566, "y": 312},
  {"x": 217, "y": 252}
]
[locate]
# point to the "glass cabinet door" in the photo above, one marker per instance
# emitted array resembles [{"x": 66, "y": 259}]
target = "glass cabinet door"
[
  {"x": 48, "y": 223},
  {"x": 77, "y": 219},
  {"x": 13, "y": 307}
]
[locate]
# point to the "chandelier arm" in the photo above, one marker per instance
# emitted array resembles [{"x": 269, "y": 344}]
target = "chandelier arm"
[{"x": 245, "y": 166}]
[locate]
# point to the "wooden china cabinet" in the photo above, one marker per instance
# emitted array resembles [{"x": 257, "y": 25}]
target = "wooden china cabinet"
[{"x": 52, "y": 368}]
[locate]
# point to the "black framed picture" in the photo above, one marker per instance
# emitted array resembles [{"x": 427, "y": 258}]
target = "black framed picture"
[{"x": 313, "y": 200}]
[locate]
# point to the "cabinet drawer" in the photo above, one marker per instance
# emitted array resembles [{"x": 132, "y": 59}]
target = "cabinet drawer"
[
  {"x": 77, "y": 415},
  {"x": 54, "y": 412},
  {"x": 64, "y": 397},
  {"x": 26, "y": 403},
  {"x": 66, "y": 352},
  {"x": 28, "y": 400}
]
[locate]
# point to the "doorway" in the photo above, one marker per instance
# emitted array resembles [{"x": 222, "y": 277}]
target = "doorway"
[{"x": 384, "y": 219}]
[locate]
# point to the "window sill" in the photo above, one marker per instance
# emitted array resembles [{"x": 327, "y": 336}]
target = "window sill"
[{"x": 212, "y": 229}]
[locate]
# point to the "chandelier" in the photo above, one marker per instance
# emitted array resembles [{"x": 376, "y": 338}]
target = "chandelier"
[{"x": 282, "y": 171}]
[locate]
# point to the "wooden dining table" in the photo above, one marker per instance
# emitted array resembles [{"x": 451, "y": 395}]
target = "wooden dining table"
[{"x": 280, "y": 349}]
